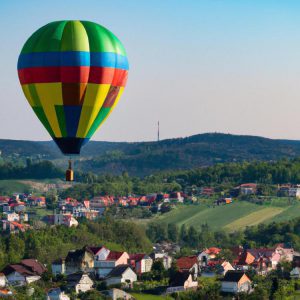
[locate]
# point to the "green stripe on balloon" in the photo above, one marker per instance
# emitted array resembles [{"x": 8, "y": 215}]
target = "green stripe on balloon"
[
  {"x": 99, "y": 119},
  {"x": 102, "y": 40},
  {"x": 59, "y": 109},
  {"x": 42, "y": 117}
]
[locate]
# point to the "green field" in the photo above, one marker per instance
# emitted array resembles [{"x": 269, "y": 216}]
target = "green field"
[
  {"x": 233, "y": 216},
  {"x": 13, "y": 186},
  {"x": 255, "y": 218}
]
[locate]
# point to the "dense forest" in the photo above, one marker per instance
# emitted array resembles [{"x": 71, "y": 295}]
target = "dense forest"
[{"x": 145, "y": 158}]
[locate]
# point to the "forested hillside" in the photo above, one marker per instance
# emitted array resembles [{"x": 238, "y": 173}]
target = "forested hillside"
[{"x": 145, "y": 158}]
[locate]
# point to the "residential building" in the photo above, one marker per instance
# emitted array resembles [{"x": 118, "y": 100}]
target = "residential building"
[
  {"x": 58, "y": 267},
  {"x": 248, "y": 188},
  {"x": 188, "y": 264},
  {"x": 140, "y": 262},
  {"x": 208, "y": 254},
  {"x": 236, "y": 282},
  {"x": 182, "y": 281},
  {"x": 105, "y": 266},
  {"x": 164, "y": 258},
  {"x": 65, "y": 219},
  {"x": 80, "y": 282},
  {"x": 121, "y": 274},
  {"x": 81, "y": 260},
  {"x": 27, "y": 271}
]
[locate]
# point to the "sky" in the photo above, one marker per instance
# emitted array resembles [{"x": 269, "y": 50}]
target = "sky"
[{"x": 197, "y": 66}]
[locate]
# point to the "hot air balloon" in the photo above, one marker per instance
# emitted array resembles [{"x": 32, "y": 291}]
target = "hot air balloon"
[{"x": 73, "y": 74}]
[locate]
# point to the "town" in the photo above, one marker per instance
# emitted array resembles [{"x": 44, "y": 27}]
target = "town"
[{"x": 165, "y": 271}]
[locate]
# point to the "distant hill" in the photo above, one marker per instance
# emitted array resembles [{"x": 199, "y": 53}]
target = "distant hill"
[{"x": 143, "y": 158}]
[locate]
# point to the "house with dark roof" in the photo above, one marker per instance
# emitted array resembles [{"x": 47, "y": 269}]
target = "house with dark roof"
[
  {"x": 27, "y": 271},
  {"x": 105, "y": 266},
  {"x": 236, "y": 282},
  {"x": 80, "y": 282},
  {"x": 182, "y": 281},
  {"x": 81, "y": 260},
  {"x": 121, "y": 274},
  {"x": 140, "y": 262}
]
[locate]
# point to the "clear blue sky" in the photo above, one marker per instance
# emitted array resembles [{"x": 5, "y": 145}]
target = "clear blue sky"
[{"x": 197, "y": 66}]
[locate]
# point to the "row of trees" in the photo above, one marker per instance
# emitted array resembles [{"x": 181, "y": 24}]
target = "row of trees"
[{"x": 256, "y": 236}]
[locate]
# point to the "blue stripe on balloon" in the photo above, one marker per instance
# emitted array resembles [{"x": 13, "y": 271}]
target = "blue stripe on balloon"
[
  {"x": 72, "y": 58},
  {"x": 72, "y": 116}
]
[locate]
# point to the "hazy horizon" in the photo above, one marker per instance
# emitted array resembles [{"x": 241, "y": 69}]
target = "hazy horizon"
[{"x": 198, "y": 66}]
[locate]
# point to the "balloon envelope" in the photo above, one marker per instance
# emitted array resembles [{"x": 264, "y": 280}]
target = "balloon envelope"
[{"x": 72, "y": 74}]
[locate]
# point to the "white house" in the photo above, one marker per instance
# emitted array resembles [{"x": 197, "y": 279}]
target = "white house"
[
  {"x": 236, "y": 282},
  {"x": 65, "y": 219},
  {"x": 57, "y": 294},
  {"x": 100, "y": 253},
  {"x": 113, "y": 259},
  {"x": 27, "y": 271},
  {"x": 80, "y": 282},
  {"x": 121, "y": 274}
]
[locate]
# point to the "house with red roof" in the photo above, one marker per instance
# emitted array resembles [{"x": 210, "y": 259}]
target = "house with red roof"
[
  {"x": 207, "y": 255},
  {"x": 263, "y": 260},
  {"x": 27, "y": 271},
  {"x": 104, "y": 266},
  {"x": 188, "y": 264},
  {"x": 248, "y": 188},
  {"x": 140, "y": 262}
]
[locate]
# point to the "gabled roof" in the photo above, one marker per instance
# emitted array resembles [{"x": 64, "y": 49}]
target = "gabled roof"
[
  {"x": 187, "y": 262},
  {"x": 17, "y": 268},
  {"x": 138, "y": 256},
  {"x": 74, "y": 278},
  {"x": 34, "y": 265},
  {"x": 180, "y": 278},
  {"x": 95, "y": 249},
  {"x": 77, "y": 255},
  {"x": 114, "y": 255},
  {"x": 27, "y": 267},
  {"x": 234, "y": 276},
  {"x": 118, "y": 270}
]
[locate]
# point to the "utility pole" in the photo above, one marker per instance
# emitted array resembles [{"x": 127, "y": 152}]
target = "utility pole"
[{"x": 158, "y": 131}]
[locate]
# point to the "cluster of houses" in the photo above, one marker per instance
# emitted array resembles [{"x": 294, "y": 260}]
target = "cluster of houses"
[{"x": 82, "y": 268}]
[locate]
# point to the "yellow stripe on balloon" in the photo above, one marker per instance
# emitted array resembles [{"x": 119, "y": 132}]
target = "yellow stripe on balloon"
[
  {"x": 94, "y": 98},
  {"x": 26, "y": 91},
  {"x": 50, "y": 94},
  {"x": 121, "y": 90}
]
